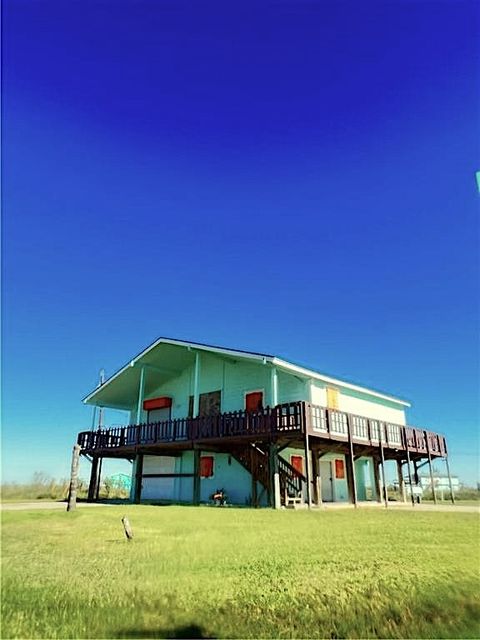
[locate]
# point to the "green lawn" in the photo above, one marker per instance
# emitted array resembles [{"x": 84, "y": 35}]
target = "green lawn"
[{"x": 240, "y": 573}]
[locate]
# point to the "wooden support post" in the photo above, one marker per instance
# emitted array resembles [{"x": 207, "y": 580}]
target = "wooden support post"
[
  {"x": 72, "y": 493},
  {"x": 99, "y": 479},
  {"x": 275, "y": 498},
  {"x": 376, "y": 479},
  {"x": 452, "y": 497},
  {"x": 401, "y": 483},
  {"x": 317, "y": 483},
  {"x": 432, "y": 484},
  {"x": 352, "y": 481},
  {"x": 308, "y": 467},
  {"x": 254, "y": 492},
  {"x": 92, "y": 487},
  {"x": 382, "y": 457},
  {"x": 137, "y": 490},
  {"x": 415, "y": 472},
  {"x": 196, "y": 476},
  {"x": 410, "y": 479}
]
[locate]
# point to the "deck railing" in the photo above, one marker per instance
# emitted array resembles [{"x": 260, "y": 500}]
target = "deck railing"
[{"x": 287, "y": 418}]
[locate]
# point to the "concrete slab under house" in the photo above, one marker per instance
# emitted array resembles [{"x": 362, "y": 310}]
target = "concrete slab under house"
[{"x": 264, "y": 430}]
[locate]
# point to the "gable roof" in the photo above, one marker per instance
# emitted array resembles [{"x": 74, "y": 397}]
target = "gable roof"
[{"x": 252, "y": 356}]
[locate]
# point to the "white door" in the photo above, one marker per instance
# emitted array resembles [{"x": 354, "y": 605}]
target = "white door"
[{"x": 326, "y": 474}]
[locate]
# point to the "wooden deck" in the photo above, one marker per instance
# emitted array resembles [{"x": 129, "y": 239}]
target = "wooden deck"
[{"x": 282, "y": 424}]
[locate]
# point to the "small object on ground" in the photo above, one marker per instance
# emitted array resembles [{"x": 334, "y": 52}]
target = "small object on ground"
[
  {"x": 219, "y": 498},
  {"x": 127, "y": 528}
]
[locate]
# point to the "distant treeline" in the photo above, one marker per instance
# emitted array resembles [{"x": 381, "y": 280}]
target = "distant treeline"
[{"x": 42, "y": 486}]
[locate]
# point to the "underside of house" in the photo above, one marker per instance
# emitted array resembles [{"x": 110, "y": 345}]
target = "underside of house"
[{"x": 208, "y": 421}]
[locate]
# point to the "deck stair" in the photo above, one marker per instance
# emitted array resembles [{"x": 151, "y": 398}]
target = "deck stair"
[
  {"x": 256, "y": 461},
  {"x": 291, "y": 484}
]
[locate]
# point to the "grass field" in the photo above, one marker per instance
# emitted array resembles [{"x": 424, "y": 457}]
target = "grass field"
[{"x": 207, "y": 572}]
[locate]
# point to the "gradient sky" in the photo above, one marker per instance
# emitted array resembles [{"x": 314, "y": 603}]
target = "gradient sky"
[{"x": 296, "y": 178}]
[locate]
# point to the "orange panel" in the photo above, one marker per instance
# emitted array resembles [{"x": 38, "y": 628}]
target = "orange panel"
[{"x": 157, "y": 403}]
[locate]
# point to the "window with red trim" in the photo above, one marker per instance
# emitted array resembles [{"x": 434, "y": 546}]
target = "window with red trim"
[{"x": 206, "y": 466}]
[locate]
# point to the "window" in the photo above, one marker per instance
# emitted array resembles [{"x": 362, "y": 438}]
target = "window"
[
  {"x": 297, "y": 463},
  {"x": 206, "y": 466},
  {"x": 254, "y": 401},
  {"x": 332, "y": 398},
  {"x": 209, "y": 404},
  {"x": 339, "y": 469}
]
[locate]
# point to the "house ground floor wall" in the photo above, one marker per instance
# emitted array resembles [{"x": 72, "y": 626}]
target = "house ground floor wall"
[
  {"x": 332, "y": 467},
  {"x": 176, "y": 482},
  {"x": 228, "y": 474}
]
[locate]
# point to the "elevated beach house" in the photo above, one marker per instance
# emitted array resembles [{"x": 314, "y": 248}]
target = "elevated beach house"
[{"x": 266, "y": 431}]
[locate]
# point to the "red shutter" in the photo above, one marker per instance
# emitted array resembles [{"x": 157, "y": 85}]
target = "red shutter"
[
  {"x": 297, "y": 463},
  {"x": 339, "y": 469},
  {"x": 206, "y": 466},
  {"x": 157, "y": 403},
  {"x": 254, "y": 401}
]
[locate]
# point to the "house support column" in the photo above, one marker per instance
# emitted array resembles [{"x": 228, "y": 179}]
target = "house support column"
[
  {"x": 141, "y": 393},
  {"x": 274, "y": 386},
  {"x": 410, "y": 479},
  {"x": 196, "y": 476},
  {"x": 376, "y": 479},
  {"x": 351, "y": 479},
  {"x": 452, "y": 497},
  {"x": 308, "y": 466},
  {"x": 317, "y": 482},
  {"x": 401, "y": 483},
  {"x": 196, "y": 386},
  {"x": 275, "y": 498},
  {"x": 137, "y": 486},
  {"x": 382, "y": 457},
  {"x": 254, "y": 492},
  {"x": 432, "y": 484},
  {"x": 99, "y": 479},
  {"x": 416, "y": 478},
  {"x": 92, "y": 486}
]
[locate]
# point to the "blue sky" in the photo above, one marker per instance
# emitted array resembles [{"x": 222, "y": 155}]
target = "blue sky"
[{"x": 296, "y": 178}]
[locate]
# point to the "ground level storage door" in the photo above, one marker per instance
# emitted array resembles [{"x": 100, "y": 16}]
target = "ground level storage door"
[
  {"x": 326, "y": 474},
  {"x": 154, "y": 486}
]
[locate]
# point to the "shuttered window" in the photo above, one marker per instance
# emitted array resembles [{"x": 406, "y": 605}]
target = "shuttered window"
[
  {"x": 206, "y": 466},
  {"x": 339, "y": 469},
  {"x": 297, "y": 463},
  {"x": 209, "y": 404},
  {"x": 332, "y": 398},
  {"x": 254, "y": 401}
]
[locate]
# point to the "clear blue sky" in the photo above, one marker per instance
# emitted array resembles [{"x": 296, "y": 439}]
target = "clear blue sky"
[{"x": 290, "y": 177}]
